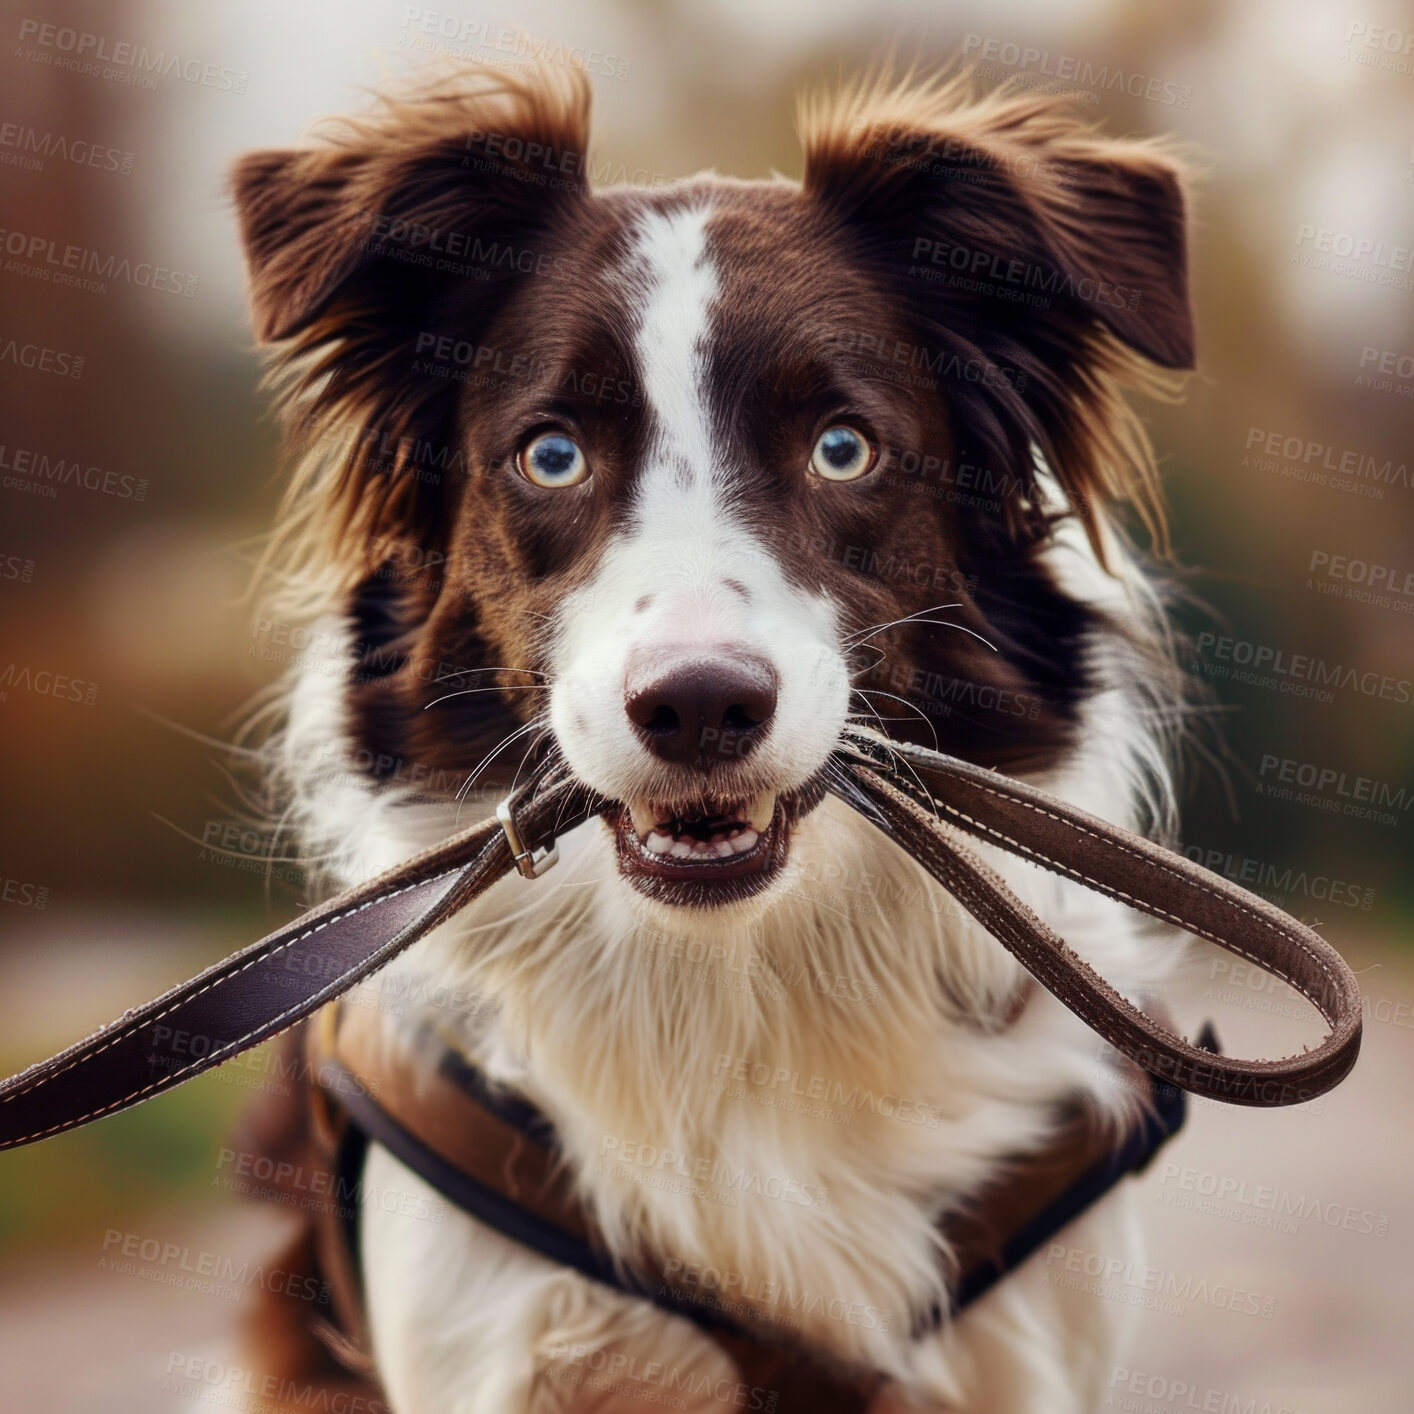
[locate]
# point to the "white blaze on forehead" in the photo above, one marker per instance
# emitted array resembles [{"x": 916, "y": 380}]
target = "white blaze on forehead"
[
  {"x": 677, "y": 283},
  {"x": 687, "y": 570}
]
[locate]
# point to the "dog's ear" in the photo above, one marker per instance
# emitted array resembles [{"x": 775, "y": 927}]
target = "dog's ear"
[
  {"x": 393, "y": 229},
  {"x": 1116, "y": 218},
  {"x": 301, "y": 233},
  {"x": 1008, "y": 231},
  {"x": 472, "y": 156}
]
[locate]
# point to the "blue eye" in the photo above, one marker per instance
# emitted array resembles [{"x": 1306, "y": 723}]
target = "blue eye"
[
  {"x": 841, "y": 454},
  {"x": 553, "y": 460}
]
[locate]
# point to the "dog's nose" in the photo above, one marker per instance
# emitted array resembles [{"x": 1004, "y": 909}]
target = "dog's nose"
[{"x": 697, "y": 709}]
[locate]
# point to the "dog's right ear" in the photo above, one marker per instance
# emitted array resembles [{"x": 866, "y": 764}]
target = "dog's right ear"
[
  {"x": 477, "y": 156},
  {"x": 414, "y": 222},
  {"x": 300, "y": 233}
]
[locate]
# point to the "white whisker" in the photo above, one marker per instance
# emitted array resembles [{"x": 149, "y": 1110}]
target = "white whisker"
[
  {"x": 941, "y": 623},
  {"x": 469, "y": 672},
  {"x": 879, "y": 628},
  {"x": 912, "y": 706},
  {"x": 471, "y": 691},
  {"x": 536, "y": 724}
]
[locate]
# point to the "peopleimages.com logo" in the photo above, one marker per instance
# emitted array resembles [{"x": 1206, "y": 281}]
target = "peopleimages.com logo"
[
  {"x": 121, "y": 60},
  {"x": 1029, "y": 61},
  {"x": 1331, "y": 788},
  {"x": 1294, "y": 674}
]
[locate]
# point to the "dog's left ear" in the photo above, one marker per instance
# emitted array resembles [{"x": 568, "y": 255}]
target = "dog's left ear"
[
  {"x": 1010, "y": 235},
  {"x": 1115, "y": 216},
  {"x": 1013, "y": 194}
]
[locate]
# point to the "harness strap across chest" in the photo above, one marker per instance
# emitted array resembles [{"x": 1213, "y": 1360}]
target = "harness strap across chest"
[{"x": 495, "y": 1156}]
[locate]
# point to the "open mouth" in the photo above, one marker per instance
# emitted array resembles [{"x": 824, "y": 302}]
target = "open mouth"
[{"x": 703, "y": 853}]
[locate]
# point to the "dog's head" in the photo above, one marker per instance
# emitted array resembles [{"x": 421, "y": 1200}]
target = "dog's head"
[{"x": 685, "y": 476}]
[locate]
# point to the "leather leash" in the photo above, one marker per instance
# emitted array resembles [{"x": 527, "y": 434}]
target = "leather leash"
[
  {"x": 260, "y": 991},
  {"x": 928, "y": 805},
  {"x": 925, "y": 801}
]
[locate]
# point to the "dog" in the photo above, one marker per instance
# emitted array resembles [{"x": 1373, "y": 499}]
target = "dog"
[{"x": 671, "y": 482}]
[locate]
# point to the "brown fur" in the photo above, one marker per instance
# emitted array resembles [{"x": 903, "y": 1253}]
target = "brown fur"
[
  {"x": 305, "y": 1358},
  {"x": 344, "y": 316}
]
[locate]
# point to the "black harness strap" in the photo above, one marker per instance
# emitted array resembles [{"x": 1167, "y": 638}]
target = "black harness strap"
[
  {"x": 1157, "y": 1126},
  {"x": 369, "y": 1122},
  {"x": 1163, "y": 1116}
]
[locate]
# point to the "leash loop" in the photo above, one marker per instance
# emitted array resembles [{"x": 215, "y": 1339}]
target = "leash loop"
[{"x": 928, "y": 802}]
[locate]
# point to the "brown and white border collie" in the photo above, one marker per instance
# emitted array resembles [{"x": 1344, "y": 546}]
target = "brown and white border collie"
[{"x": 674, "y": 482}]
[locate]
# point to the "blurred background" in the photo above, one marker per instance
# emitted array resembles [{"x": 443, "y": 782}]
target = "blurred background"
[{"x": 139, "y": 467}]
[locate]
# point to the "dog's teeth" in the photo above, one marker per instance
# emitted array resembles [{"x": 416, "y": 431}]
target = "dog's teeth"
[
  {"x": 672, "y": 838},
  {"x": 760, "y": 810}
]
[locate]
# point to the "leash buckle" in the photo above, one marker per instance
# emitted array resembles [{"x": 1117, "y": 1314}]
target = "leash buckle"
[{"x": 532, "y": 863}]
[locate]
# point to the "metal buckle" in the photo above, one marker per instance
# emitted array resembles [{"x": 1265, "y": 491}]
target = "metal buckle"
[{"x": 531, "y": 862}]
